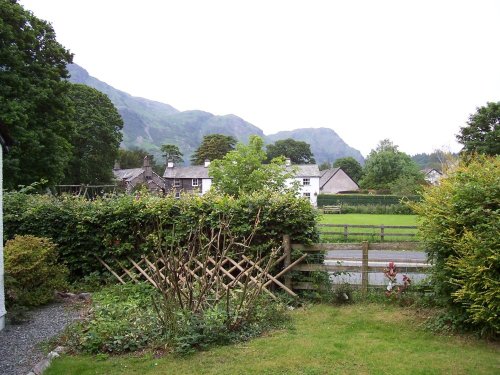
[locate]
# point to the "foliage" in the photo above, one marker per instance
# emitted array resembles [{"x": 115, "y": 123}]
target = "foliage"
[
  {"x": 134, "y": 158},
  {"x": 242, "y": 171},
  {"x": 96, "y": 138},
  {"x": 363, "y": 199},
  {"x": 350, "y": 166},
  {"x": 32, "y": 271},
  {"x": 386, "y": 166},
  {"x": 119, "y": 226},
  {"x": 324, "y": 166},
  {"x": 33, "y": 101},
  {"x": 439, "y": 160},
  {"x": 297, "y": 151},
  {"x": 172, "y": 153},
  {"x": 213, "y": 147},
  {"x": 482, "y": 133},
  {"x": 460, "y": 222}
]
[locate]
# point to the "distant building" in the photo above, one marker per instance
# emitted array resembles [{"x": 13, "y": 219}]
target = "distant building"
[
  {"x": 307, "y": 176},
  {"x": 131, "y": 178},
  {"x": 432, "y": 176},
  {"x": 193, "y": 179},
  {"x": 335, "y": 180}
]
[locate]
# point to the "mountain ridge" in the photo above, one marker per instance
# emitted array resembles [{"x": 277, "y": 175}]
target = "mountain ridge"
[{"x": 148, "y": 124}]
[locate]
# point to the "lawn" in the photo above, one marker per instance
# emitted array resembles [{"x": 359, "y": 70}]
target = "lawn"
[
  {"x": 373, "y": 234},
  {"x": 356, "y": 339}
]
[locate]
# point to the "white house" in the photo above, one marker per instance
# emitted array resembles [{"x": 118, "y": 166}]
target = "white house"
[
  {"x": 432, "y": 176},
  {"x": 307, "y": 176}
]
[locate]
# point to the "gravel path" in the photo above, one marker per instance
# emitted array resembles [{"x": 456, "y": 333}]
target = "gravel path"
[{"x": 18, "y": 343}]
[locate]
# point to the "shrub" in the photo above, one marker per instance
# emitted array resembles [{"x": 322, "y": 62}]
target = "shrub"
[
  {"x": 32, "y": 271},
  {"x": 460, "y": 222}
]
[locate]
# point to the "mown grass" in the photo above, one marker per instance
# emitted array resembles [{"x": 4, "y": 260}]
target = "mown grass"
[
  {"x": 367, "y": 219},
  {"x": 355, "y": 339}
]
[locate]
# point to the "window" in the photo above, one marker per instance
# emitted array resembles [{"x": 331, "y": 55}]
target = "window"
[
  {"x": 307, "y": 195},
  {"x": 177, "y": 183},
  {"x": 194, "y": 182},
  {"x": 306, "y": 181},
  {"x": 177, "y": 194}
]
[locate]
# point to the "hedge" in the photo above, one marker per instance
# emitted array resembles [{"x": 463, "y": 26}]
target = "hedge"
[
  {"x": 363, "y": 199},
  {"x": 120, "y": 226}
]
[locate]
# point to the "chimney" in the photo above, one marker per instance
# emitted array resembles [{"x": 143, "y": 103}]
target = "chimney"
[
  {"x": 288, "y": 162},
  {"x": 170, "y": 163},
  {"x": 146, "y": 165},
  {"x": 207, "y": 163}
]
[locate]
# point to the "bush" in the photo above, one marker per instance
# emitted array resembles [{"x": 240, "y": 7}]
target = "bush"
[
  {"x": 121, "y": 226},
  {"x": 364, "y": 199},
  {"x": 460, "y": 223},
  {"x": 32, "y": 271}
]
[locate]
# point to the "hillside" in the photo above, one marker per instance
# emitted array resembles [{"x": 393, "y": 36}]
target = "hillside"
[{"x": 149, "y": 124}]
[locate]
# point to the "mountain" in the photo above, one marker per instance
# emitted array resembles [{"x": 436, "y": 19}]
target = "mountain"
[
  {"x": 326, "y": 145},
  {"x": 149, "y": 124}
]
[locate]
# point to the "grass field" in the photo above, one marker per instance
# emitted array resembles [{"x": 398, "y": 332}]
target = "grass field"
[
  {"x": 355, "y": 339},
  {"x": 367, "y": 219}
]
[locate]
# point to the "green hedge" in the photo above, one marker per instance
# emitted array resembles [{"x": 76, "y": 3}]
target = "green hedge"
[
  {"x": 122, "y": 225},
  {"x": 363, "y": 199}
]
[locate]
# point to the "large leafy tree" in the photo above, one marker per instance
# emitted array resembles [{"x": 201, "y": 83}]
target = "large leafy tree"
[
  {"x": 96, "y": 138},
  {"x": 386, "y": 167},
  {"x": 297, "y": 151},
  {"x": 243, "y": 170},
  {"x": 134, "y": 158},
  {"x": 172, "y": 152},
  {"x": 350, "y": 166},
  {"x": 482, "y": 133},
  {"x": 213, "y": 147},
  {"x": 33, "y": 100}
]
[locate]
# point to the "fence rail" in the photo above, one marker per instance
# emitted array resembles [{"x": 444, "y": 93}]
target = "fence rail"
[{"x": 377, "y": 230}]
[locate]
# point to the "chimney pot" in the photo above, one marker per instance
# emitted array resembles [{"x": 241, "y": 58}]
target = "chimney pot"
[{"x": 207, "y": 163}]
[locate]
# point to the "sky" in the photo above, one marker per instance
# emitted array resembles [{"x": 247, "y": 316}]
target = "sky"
[{"x": 410, "y": 71}]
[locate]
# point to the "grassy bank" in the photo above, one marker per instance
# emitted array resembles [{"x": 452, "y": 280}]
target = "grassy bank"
[{"x": 356, "y": 339}]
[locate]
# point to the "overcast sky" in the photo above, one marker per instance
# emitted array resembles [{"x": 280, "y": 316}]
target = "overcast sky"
[{"x": 411, "y": 71}]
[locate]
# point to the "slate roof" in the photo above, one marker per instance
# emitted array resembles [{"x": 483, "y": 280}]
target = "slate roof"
[
  {"x": 306, "y": 170},
  {"x": 326, "y": 176},
  {"x": 127, "y": 174},
  {"x": 193, "y": 171}
]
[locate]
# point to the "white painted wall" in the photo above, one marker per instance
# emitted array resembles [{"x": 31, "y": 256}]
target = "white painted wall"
[
  {"x": 206, "y": 184},
  {"x": 2, "y": 291},
  {"x": 312, "y": 188}
]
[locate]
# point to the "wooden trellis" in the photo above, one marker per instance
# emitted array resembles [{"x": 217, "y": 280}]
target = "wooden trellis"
[{"x": 229, "y": 272}]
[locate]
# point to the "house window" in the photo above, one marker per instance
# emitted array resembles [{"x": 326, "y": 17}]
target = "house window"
[
  {"x": 307, "y": 195},
  {"x": 177, "y": 194},
  {"x": 194, "y": 182},
  {"x": 177, "y": 183},
  {"x": 306, "y": 181}
]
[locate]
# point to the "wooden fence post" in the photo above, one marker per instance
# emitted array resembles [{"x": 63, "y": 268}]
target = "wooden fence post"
[
  {"x": 288, "y": 258},
  {"x": 346, "y": 233},
  {"x": 364, "y": 268},
  {"x": 382, "y": 233}
]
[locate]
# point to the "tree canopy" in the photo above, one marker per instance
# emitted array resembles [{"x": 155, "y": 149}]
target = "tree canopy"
[
  {"x": 243, "y": 170},
  {"x": 33, "y": 100},
  {"x": 350, "y": 166},
  {"x": 213, "y": 147},
  {"x": 134, "y": 158},
  {"x": 297, "y": 151},
  {"x": 482, "y": 133},
  {"x": 96, "y": 138},
  {"x": 386, "y": 165},
  {"x": 172, "y": 153}
]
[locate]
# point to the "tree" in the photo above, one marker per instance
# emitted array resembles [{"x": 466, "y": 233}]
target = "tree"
[
  {"x": 33, "y": 104},
  {"x": 243, "y": 170},
  {"x": 386, "y": 164},
  {"x": 350, "y": 166},
  {"x": 172, "y": 153},
  {"x": 134, "y": 158},
  {"x": 459, "y": 223},
  {"x": 96, "y": 138},
  {"x": 324, "y": 166},
  {"x": 297, "y": 151},
  {"x": 482, "y": 133},
  {"x": 213, "y": 147}
]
